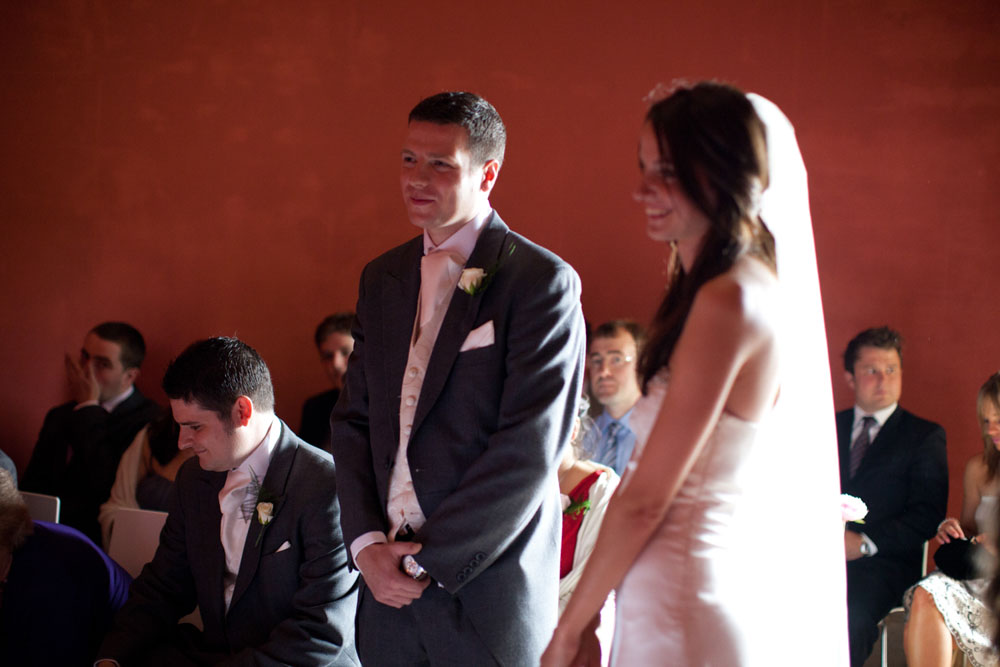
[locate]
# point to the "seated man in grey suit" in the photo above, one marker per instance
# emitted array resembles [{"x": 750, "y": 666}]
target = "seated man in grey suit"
[
  {"x": 896, "y": 463},
  {"x": 459, "y": 399},
  {"x": 253, "y": 535}
]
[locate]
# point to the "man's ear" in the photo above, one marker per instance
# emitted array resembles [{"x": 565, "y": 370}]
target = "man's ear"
[
  {"x": 490, "y": 171},
  {"x": 849, "y": 377},
  {"x": 242, "y": 411},
  {"x": 129, "y": 377}
]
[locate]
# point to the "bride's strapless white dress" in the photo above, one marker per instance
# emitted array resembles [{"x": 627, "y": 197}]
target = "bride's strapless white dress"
[{"x": 683, "y": 600}]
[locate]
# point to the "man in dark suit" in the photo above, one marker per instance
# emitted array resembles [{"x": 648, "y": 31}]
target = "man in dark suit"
[
  {"x": 253, "y": 534},
  {"x": 459, "y": 398},
  {"x": 334, "y": 344},
  {"x": 81, "y": 442},
  {"x": 896, "y": 463}
]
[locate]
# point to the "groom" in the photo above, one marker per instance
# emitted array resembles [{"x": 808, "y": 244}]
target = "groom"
[{"x": 458, "y": 400}]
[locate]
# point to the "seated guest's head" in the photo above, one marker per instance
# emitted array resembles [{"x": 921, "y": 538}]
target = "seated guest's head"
[
  {"x": 611, "y": 362},
  {"x": 873, "y": 368},
  {"x": 15, "y": 521},
  {"x": 221, "y": 395},
  {"x": 988, "y": 411},
  {"x": 335, "y": 344},
  {"x": 163, "y": 434},
  {"x": 114, "y": 352}
]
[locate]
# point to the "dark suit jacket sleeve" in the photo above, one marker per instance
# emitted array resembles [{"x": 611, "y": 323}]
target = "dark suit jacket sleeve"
[
  {"x": 320, "y": 629},
  {"x": 163, "y": 592},
  {"x": 924, "y": 485},
  {"x": 68, "y": 431},
  {"x": 505, "y": 486},
  {"x": 96, "y": 440},
  {"x": 356, "y": 484}
]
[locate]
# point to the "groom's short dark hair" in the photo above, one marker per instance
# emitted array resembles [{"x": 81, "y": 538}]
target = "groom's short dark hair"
[
  {"x": 487, "y": 134},
  {"x": 215, "y": 372}
]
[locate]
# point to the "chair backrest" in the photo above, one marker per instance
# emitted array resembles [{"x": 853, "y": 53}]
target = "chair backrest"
[
  {"x": 135, "y": 535},
  {"x": 42, "y": 507}
]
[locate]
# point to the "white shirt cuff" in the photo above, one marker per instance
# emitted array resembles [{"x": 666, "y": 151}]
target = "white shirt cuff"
[{"x": 364, "y": 540}]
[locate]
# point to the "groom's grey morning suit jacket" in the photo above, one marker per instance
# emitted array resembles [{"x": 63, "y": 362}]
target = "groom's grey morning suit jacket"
[
  {"x": 294, "y": 599},
  {"x": 488, "y": 431}
]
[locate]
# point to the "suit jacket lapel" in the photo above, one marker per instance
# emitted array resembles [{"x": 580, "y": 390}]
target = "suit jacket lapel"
[
  {"x": 460, "y": 317},
  {"x": 400, "y": 293},
  {"x": 845, "y": 424},
  {"x": 886, "y": 435},
  {"x": 275, "y": 483},
  {"x": 212, "y": 559}
]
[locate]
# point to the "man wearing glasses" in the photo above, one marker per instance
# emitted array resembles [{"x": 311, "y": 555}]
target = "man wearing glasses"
[{"x": 614, "y": 384}]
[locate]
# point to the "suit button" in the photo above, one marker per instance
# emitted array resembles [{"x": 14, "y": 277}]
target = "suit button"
[
  {"x": 480, "y": 557},
  {"x": 461, "y": 577}
]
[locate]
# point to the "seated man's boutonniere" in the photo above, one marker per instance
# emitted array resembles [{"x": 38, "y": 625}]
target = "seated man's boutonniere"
[
  {"x": 262, "y": 504},
  {"x": 474, "y": 281}
]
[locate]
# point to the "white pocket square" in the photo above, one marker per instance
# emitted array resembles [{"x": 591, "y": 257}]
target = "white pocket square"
[
  {"x": 481, "y": 336},
  {"x": 284, "y": 545}
]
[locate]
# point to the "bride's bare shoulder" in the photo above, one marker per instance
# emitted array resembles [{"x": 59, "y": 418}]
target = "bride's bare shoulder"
[{"x": 745, "y": 293}]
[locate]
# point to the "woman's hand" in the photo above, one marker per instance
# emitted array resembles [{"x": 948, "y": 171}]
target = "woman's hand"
[
  {"x": 983, "y": 540},
  {"x": 561, "y": 649},
  {"x": 949, "y": 529}
]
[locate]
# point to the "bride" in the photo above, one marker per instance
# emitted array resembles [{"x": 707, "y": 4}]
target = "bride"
[{"x": 724, "y": 537}]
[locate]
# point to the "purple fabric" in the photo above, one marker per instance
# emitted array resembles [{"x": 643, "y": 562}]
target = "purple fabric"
[{"x": 61, "y": 594}]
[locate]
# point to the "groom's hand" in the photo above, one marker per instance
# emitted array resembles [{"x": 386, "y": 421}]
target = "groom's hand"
[{"x": 379, "y": 565}]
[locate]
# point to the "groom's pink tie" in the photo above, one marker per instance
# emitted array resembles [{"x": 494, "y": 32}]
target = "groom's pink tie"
[{"x": 434, "y": 276}]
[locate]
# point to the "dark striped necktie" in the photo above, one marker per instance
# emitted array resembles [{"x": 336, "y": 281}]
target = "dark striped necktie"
[{"x": 860, "y": 445}]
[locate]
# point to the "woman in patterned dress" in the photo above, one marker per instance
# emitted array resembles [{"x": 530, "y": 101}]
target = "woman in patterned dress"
[{"x": 944, "y": 613}]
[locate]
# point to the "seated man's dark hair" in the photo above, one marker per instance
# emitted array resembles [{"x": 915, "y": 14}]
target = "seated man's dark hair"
[
  {"x": 215, "y": 372},
  {"x": 610, "y": 329},
  {"x": 127, "y": 337},
  {"x": 882, "y": 337},
  {"x": 487, "y": 134},
  {"x": 336, "y": 323}
]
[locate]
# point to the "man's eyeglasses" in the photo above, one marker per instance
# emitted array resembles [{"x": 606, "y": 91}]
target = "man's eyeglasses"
[{"x": 615, "y": 361}]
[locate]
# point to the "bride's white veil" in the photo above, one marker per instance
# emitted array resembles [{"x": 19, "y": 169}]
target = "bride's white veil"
[{"x": 799, "y": 601}]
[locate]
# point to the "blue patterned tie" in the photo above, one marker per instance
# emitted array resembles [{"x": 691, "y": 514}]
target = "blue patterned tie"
[
  {"x": 611, "y": 434},
  {"x": 860, "y": 445}
]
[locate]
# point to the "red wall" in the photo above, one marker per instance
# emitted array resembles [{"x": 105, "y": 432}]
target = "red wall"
[{"x": 221, "y": 167}]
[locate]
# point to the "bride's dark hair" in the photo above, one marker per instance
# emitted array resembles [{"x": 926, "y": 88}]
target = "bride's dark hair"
[{"x": 718, "y": 147}]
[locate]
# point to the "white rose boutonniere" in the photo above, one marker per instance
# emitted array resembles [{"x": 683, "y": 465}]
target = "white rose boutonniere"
[
  {"x": 474, "y": 281},
  {"x": 261, "y": 502},
  {"x": 471, "y": 280},
  {"x": 265, "y": 512}
]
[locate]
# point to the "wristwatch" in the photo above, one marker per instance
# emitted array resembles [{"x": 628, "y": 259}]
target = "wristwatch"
[
  {"x": 864, "y": 549},
  {"x": 412, "y": 568}
]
